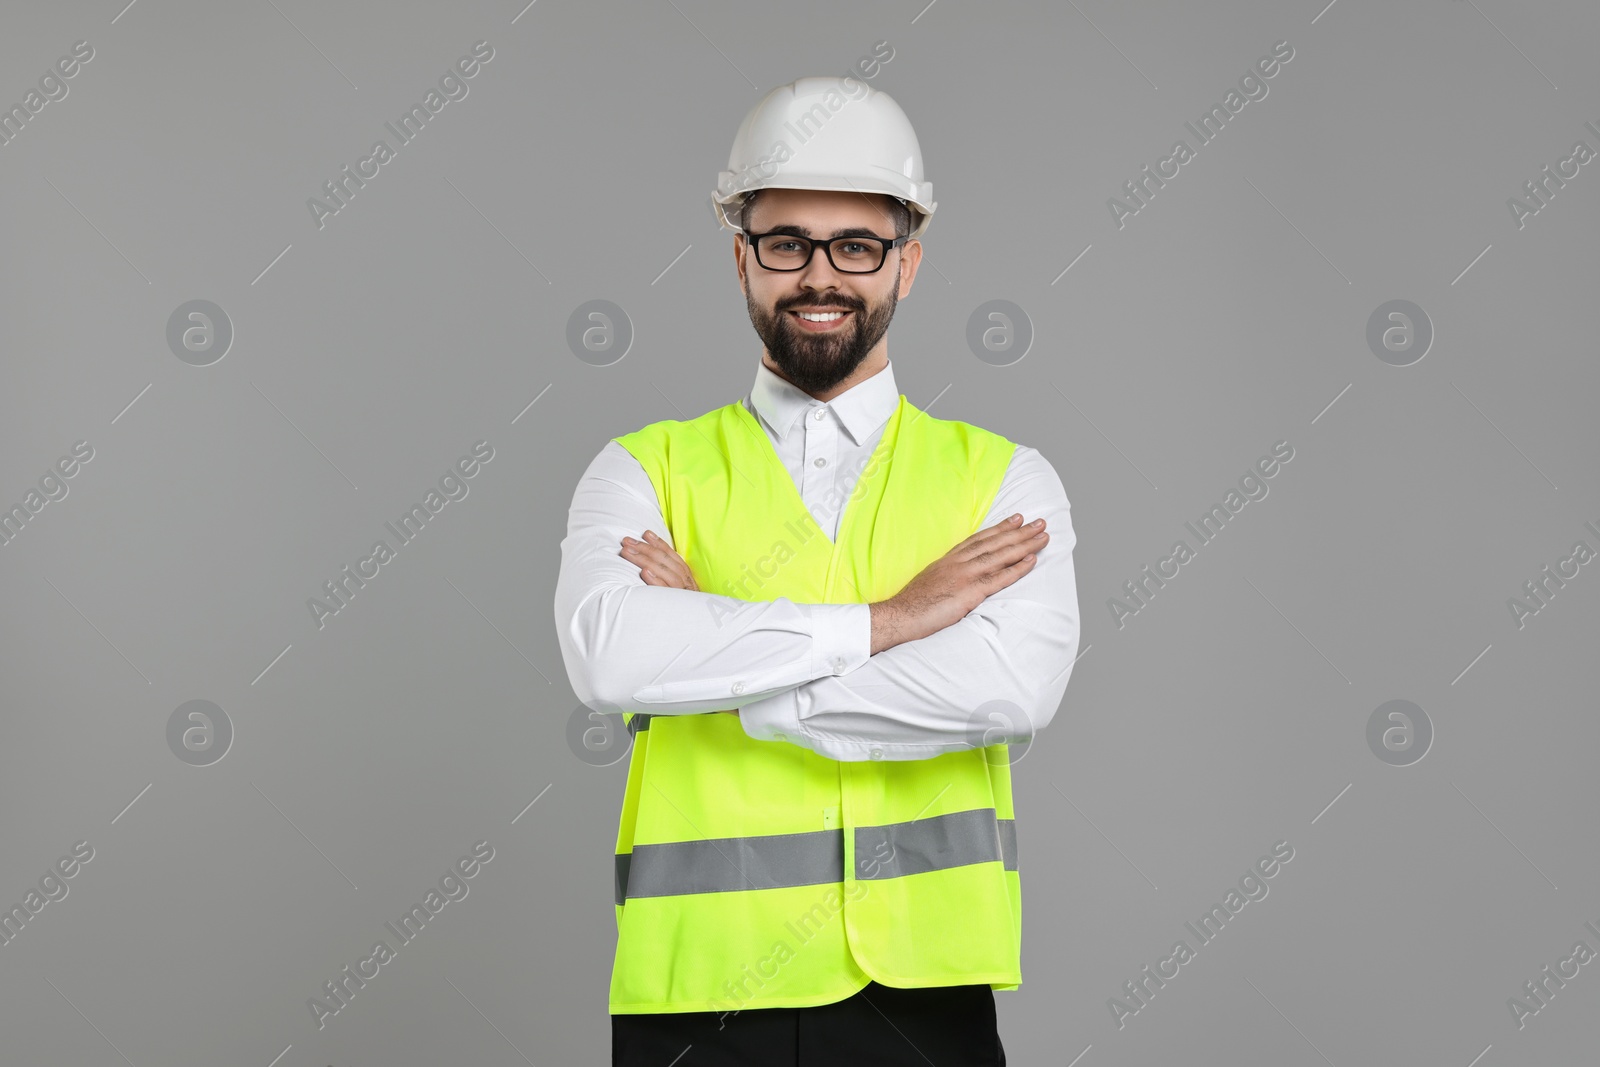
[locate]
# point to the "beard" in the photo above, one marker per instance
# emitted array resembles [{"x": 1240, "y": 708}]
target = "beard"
[{"x": 815, "y": 362}]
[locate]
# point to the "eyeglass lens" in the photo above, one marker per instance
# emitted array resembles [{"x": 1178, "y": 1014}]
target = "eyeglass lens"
[{"x": 777, "y": 251}]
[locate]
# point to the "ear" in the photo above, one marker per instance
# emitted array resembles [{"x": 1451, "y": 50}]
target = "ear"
[
  {"x": 738, "y": 259},
  {"x": 910, "y": 260}
]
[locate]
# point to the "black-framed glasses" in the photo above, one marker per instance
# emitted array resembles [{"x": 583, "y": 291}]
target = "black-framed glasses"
[{"x": 848, "y": 255}]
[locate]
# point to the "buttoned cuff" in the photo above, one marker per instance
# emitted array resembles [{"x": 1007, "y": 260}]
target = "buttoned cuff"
[
  {"x": 841, "y": 637},
  {"x": 774, "y": 718},
  {"x": 841, "y": 641}
]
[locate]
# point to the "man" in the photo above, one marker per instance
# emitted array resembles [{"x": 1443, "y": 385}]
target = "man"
[{"x": 828, "y": 872}]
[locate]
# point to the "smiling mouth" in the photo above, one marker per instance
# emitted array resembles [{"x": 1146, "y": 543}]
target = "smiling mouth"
[{"x": 820, "y": 321}]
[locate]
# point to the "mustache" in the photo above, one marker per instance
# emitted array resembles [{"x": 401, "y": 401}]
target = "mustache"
[{"x": 835, "y": 301}]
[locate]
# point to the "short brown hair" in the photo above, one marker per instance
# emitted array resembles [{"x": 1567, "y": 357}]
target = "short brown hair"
[{"x": 899, "y": 213}]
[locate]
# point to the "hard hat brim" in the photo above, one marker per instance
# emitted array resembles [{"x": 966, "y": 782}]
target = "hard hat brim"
[{"x": 917, "y": 195}]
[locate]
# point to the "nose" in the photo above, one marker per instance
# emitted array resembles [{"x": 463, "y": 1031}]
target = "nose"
[{"x": 818, "y": 272}]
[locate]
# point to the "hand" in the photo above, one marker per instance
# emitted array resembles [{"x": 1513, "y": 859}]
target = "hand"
[
  {"x": 955, "y": 583},
  {"x": 658, "y": 563}
]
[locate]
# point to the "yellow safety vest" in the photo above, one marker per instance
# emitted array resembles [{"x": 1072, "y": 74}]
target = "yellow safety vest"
[{"x": 759, "y": 874}]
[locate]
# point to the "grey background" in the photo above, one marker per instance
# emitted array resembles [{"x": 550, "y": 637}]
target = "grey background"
[{"x": 1229, "y": 314}]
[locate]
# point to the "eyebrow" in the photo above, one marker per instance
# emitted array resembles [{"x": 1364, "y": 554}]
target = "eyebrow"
[{"x": 854, "y": 231}]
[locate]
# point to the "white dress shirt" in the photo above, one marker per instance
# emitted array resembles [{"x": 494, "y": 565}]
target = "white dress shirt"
[{"x": 800, "y": 673}]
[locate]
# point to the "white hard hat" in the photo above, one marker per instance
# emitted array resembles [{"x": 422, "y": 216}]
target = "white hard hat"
[{"x": 825, "y": 133}]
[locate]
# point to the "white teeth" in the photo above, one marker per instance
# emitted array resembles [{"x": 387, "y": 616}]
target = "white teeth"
[{"x": 811, "y": 316}]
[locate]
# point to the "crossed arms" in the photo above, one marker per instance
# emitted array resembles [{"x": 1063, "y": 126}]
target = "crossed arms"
[{"x": 805, "y": 674}]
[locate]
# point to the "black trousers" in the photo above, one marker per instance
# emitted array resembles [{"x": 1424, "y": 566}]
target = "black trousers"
[{"x": 947, "y": 1026}]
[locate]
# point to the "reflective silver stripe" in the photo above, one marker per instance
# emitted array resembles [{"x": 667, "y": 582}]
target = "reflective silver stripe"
[
  {"x": 933, "y": 844},
  {"x": 624, "y": 859},
  {"x": 728, "y": 864}
]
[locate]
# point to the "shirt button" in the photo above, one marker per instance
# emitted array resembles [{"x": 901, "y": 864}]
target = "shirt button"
[
  {"x": 738, "y": 687},
  {"x": 876, "y": 753},
  {"x": 819, "y": 461},
  {"x": 817, "y": 414},
  {"x": 838, "y": 665}
]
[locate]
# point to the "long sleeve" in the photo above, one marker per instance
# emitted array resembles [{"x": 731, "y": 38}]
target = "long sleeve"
[
  {"x": 628, "y": 646},
  {"x": 923, "y": 698}
]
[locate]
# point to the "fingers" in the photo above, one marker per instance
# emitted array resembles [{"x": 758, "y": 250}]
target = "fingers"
[
  {"x": 658, "y": 563},
  {"x": 675, "y": 563},
  {"x": 1002, "y": 526},
  {"x": 999, "y": 565},
  {"x": 996, "y": 557},
  {"x": 1013, "y": 528},
  {"x": 1003, "y": 534},
  {"x": 1017, "y": 569},
  {"x": 651, "y": 552}
]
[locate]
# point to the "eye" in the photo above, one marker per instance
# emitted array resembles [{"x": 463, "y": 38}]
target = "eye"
[{"x": 853, "y": 248}]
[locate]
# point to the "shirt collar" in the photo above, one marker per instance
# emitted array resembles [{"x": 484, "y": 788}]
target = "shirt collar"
[{"x": 862, "y": 408}]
